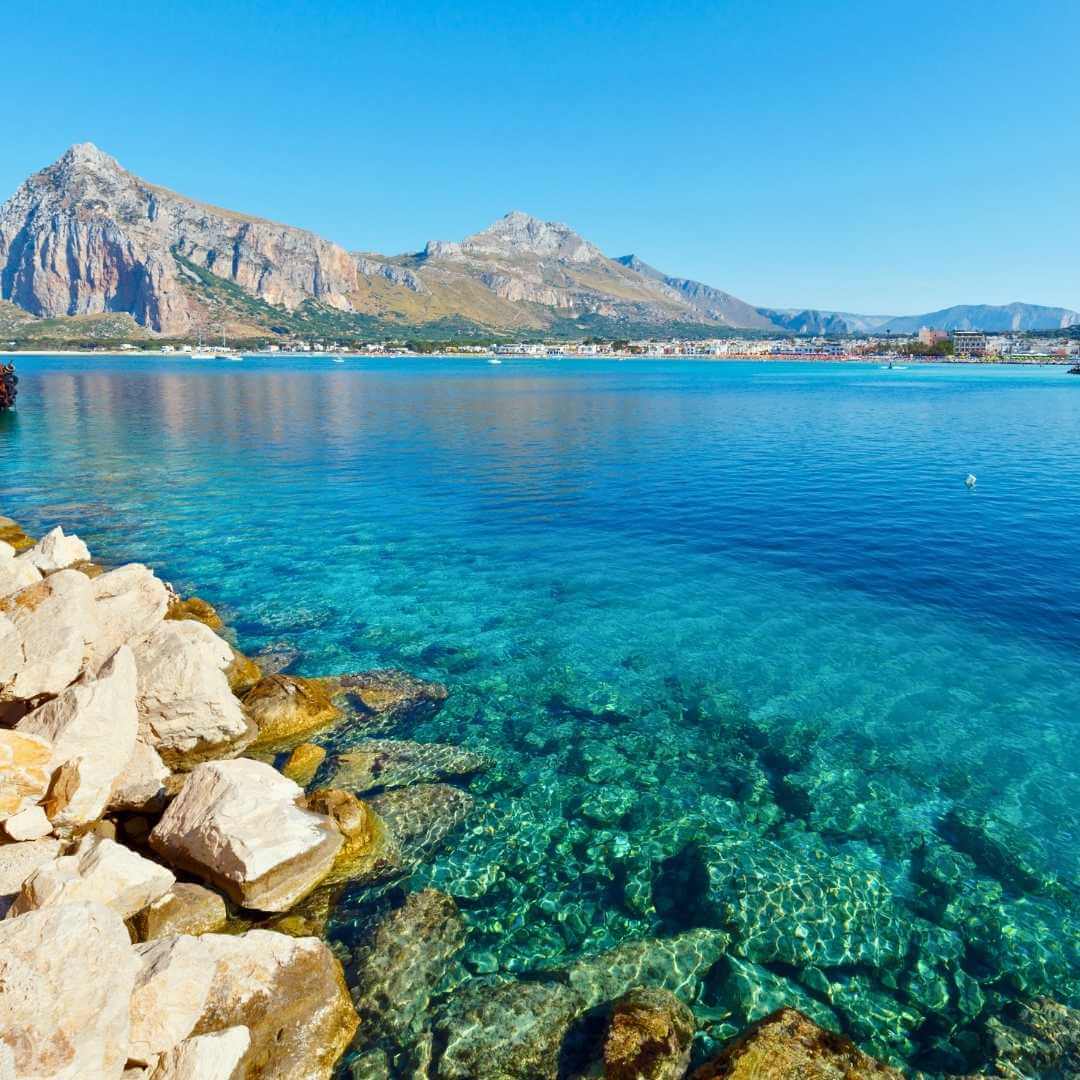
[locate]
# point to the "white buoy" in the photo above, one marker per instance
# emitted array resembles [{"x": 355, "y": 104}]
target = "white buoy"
[{"x": 970, "y": 481}]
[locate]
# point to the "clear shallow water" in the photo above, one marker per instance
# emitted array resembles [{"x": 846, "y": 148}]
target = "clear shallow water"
[{"x": 737, "y": 634}]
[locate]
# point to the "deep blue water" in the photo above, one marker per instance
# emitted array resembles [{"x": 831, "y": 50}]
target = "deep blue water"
[{"x": 765, "y": 584}]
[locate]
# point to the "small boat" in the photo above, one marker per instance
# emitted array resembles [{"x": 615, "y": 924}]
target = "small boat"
[
  {"x": 230, "y": 356},
  {"x": 1075, "y": 369},
  {"x": 336, "y": 359},
  {"x": 494, "y": 360},
  {"x": 202, "y": 354}
]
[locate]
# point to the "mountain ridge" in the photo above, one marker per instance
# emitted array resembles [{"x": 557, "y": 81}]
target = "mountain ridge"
[{"x": 84, "y": 237}]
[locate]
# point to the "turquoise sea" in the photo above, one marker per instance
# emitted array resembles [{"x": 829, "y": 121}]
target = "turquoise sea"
[{"x": 747, "y": 651}]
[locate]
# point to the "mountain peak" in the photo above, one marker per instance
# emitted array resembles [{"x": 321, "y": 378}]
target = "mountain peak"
[
  {"x": 519, "y": 234},
  {"x": 86, "y": 155}
]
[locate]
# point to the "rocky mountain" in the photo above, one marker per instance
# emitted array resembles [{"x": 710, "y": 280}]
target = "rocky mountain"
[{"x": 88, "y": 249}]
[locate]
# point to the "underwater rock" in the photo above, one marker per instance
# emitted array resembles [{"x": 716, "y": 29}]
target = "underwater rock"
[
  {"x": 385, "y": 763},
  {"x": 186, "y": 710},
  {"x": 185, "y": 909},
  {"x": 93, "y": 723},
  {"x": 284, "y": 707},
  {"x": 506, "y": 1031},
  {"x": 369, "y": 853},
  {"x": 676, "y": 964},
  {"x": 752, "y": 992},
  {"x": 398, "y": 969},
  {"x": 385, "y": 697},
  {"x": 66, "y": 976},
  {"x": 99, "y": 870},
  {"x": 790, "y": 1046},
  {"x": 242, "y": 673},
  {"x": 607, "y": 805},
  {"x": 237, "y": 825},
  {"x": 1037, "y": 1038},
  {"x": 649, "y": 1037},
  {"x": 419, "y": 818},
  {"x": 194, "y": 607},
  {"x": 303, "y": 763}
]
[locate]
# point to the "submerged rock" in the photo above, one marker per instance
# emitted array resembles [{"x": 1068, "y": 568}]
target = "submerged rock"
[
  {"x": 506, "y": 1031},
  {"x": 66, "y": 976},
  {"x": 419, "y": 818},
  {"x": 368, "y": 853},
  {"x": 398, "y": 969},
  {"x": 386, "y": 697},
  {"x": 790, "y": 1046},
  {"x": 385, "y": 763},
  {"x": 194, "y": 607},
  {"x": 1038, "y": 1038},
  {"x": 303, "y": 764},
  {"x": 237, "y": 825},
  {"x": 649, "y": 1037},
  {"x": 284, "y": 707}
]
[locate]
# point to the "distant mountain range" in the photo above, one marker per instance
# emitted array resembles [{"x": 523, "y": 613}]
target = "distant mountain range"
[{"x": 93, "y": 249}]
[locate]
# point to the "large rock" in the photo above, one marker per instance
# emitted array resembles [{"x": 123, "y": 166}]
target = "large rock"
[
  {"x": 218, "y": 1056},
  {"x": 369, "y": 853},
  {"x": 385, "y": 697},
  {"x": 24, "y": 771},
  {"x": 141, "y": 785},
  {"x": 186, "y": 908},
  {"x": 53, "y": 623},
  {"x": 55, "y": 551},
  {"x": 303, "y": 763},
  {"x": 18, "y": 862},
  {"x": 66, "y": 976},
  {"x": 420, "y": 818},
  {"x": 94, "y": 723},
  {"x": 284, "y": 707},
  {"x": 100, "y": 870},
  {"x": 789, "y": 1046},
  {"x": 386, "y": 763},
  {"x": 237, "y": 824},
  {"x": 649, "y": 1037},
  {"x": 15, "y": 574},
  {"x": 186, "y": 710},
  {"x": 289, "y": 993},
  {"x": 129, "y": 601},
  {"x": 398, "y": 969},
  {"x": 29, "y": 824}
]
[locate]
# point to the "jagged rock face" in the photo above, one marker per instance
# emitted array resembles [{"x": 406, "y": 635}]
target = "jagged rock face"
[
  {"x": 85, "y": 236},
  {"x": 519, "y": 234}
]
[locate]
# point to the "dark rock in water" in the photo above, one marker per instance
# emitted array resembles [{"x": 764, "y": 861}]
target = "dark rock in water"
[
  {"x": 399, "y": 967},
  {"x": 790, "y": 1046},
  {"x": 1001, "y": 849},
  {"x": 9, "y": 381},
  {"x": 677, "y": 964},
  {"x": 506, "y": 1031},
  {"x": 649, "y": 1037},
  {"x": 275, "y": 659},
  {"x": 385, "y": 763},
  {"x": 751, "y": 993},
  {"x": 386, "y": 697},
  {"x": 1040, "y": 1038},
  {"x": 419, "y": 818}
]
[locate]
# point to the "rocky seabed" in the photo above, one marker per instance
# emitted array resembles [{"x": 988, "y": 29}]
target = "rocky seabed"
[{"x": 174, "y": 842}]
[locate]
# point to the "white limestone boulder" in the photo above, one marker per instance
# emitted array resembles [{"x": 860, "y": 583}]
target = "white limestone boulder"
[
  {"x": 55, "y": 551},
  {"x": 29, "y": 824},
  {"x": 186, "y": 710},
  {"x": 99, "y": 870},
  {"x": 14, "y": 573},
  {"x": 141, "y": 783},
  {"x": 54, "y": 622},
  {"x": 25, "y": 771},
  {"x": 93, "y": 723},
  {"x": 237, "y": 825},
  {"x": 206, "y": 1057},
  {"x": 18, "y": 862},
  {"x": 170, "y": 994},
  {"x": 129, "y": 602},
  {"x": 66, "y": 976}
]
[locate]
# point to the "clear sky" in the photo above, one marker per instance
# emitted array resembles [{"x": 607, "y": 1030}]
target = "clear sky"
[{"x": 875, "y": 156}]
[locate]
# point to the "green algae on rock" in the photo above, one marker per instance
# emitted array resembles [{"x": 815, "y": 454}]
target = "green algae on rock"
[
  {"x": 385, "y": 697},
  {"x": 285, "y": 708}
]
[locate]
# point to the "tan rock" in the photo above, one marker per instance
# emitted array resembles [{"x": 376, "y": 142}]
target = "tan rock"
[
  {"x": 243, "y": 673},
  {"x": 194, "y": 607},
  {"x": 54, "y": 622},
  {"x": 100, "y": 870},
  {"x": 13, "y": 535},
  {"x": 304, "y": 763},
  {"x": 24, "y": 771},
  {"x": 185, "y": 909},
  {"x": 29, "y": 824},
  {"x": 368, "y": 853},
  {"x": 18, "y": 862},
  {"x": 129, "y": 602},
  {"x": 141, "y": 783},
  {"x": 55, "y": 551},
  {"x": 787, "y": 1045},
  {"x": 66, "y": 976},
  {"x": 217, "y": 1056},
  {"x": 290, "y": 993},
  {"x": 169, "y": 996},
  {"x": 284, "y": 707},
  {"x": 94, "y": 722},
  {"x": 649, "y": 1037},
  {"x": 237, "y": 825},
  {"x": 186, "y": 710}
]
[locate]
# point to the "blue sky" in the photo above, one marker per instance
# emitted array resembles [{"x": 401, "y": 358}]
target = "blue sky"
[{"x": 880, "y": 156}]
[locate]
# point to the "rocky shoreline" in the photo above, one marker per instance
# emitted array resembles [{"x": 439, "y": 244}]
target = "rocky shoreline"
[{"x": 174, "y": 840}]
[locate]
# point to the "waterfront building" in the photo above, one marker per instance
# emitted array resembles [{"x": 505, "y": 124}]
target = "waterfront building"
[
  {"x": 927, "y": 336},
  {"x": 969, "y": 343}
]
